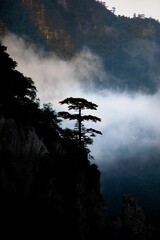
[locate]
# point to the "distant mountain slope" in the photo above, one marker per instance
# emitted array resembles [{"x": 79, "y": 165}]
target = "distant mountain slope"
[{"x": 129, "y": 47}]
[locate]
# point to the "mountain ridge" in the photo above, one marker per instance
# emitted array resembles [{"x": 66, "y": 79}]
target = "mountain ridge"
[{"x": 124, "y": 44}]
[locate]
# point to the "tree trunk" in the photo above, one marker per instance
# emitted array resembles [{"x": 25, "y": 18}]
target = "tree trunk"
[{"x": 79, "y": 126}]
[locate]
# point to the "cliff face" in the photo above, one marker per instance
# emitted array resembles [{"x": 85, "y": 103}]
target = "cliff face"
[
  {"x": 134, "y": 221},
  {"x": 20, "y": 148},
  {"x": 45, "y": 193}
]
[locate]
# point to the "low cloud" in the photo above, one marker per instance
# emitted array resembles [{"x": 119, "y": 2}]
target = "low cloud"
[
  {"x": 55, "y": 78},
  {"x": 130, "y": 121}
]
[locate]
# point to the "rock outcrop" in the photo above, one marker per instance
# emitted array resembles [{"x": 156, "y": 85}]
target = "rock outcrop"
[
  {"x": 134, "y": 221},
  {"x": 44, "y": 193}
]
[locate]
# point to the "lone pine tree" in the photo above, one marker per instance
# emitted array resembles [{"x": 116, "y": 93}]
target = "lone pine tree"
[{"x": 80, "y": 132}]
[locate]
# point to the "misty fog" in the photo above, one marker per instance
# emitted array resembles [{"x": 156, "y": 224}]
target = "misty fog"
[{"x": 128, "y": 152}]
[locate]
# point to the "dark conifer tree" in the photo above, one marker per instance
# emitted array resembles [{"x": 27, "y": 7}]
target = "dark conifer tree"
[{"x": 80, "y": 132}]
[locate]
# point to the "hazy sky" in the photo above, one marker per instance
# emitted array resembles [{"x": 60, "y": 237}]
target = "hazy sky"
[{"x": 151, "y": 8}]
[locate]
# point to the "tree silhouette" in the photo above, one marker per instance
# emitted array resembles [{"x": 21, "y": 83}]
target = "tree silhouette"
[
  {"x": 80, "y": 132},
  {"x": 17, "y": 92},
  {"x": 14, "y": 85}
]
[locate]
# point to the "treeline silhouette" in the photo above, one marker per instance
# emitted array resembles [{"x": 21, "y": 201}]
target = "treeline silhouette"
[{"x": 48, "y": 186}]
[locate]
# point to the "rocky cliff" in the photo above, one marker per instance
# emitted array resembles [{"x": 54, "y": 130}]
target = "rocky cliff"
[{"x": 47, "y": 193}]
